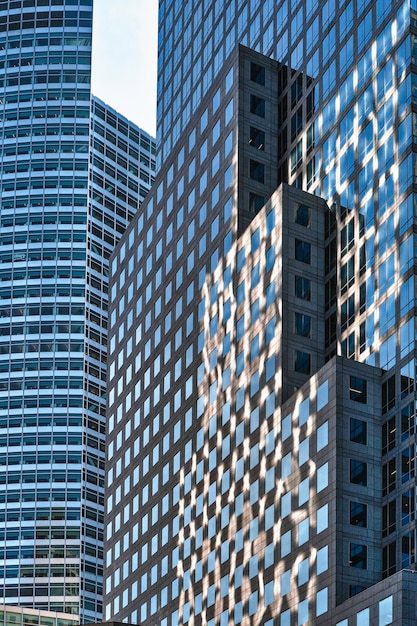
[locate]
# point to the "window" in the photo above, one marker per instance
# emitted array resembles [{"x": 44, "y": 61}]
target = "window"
[
  {"x": 257, "y": 138},
  {"x": 358, "y": 554},
  {"x": 322, "y": 518},
  {"x": 302, "y": 251},
  {"x": 358, "y": 472},
  {"x": 257, "y": 106},
  {"x": 256, "y": 202},
  {"x": 257, "y": 171},
  {"x": 257, "y": 73},
  {"x": 302, "y": 324},
  {"x": 358, "y": 431},
  {"x": 358, "y": 389},
  {"x": 322, "y": 395},
  {"x": 302, "y": 288},
  {"x": 358, "y": 514},
  {"x": 322, "y": 601},
  {"x": 302, "y": 362},
  {"x": 302, "y": 613},
  {"x": 302, "y": 215}
]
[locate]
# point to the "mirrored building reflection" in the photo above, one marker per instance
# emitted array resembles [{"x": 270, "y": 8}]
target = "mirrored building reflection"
[{"x": 278, "y": 241}]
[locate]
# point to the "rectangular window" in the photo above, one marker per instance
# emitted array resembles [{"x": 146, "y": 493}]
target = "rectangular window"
[
  {"x": 302, "y": 251},
  {"x": 302, "y": 324},
  {"x": 358, "y": 389},
  {"x": 257, "y": 138},
  {"x": 358, "y": 431},
  {"x": 302, "y": 288},
  {"x": 302, "y": 215},
  {"x": 358, "y": 514},
  {"x": 256, "y": 202},
  {"x": 358, "y": 472},
  {"x": 257, "y": 73},
  {"x": 358, "y": 555},
  {"x": 257, "y": 106},
  {"x": 257, "y": 171},
  {"x": 302, "y": 362}
]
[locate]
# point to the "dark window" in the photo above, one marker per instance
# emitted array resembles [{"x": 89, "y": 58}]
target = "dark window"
[
  {"x": 389, "y": 473},
  {"x": 388, "y": 394},
  {"x": 302, "y": 251},
  {"x": 255, "y": 203},
  {"x": 355, "y": 589},
  {"x": 330, "y": 329},
  {"x": 330, "y": 256},
  {"x": 388, "y": 560},
  {"x": 257, "y": 73},
  {"x": 257, "y": 106},
  {"x": 388, "y": 518},
  {"x": 358, "y": 514},
  {"x": 358, "y": 555},
  {"x": 407, "y": 382},
  {"x": 296, "y": 123},
  {"x": 358, "y": 431},
  {"x": 347, "y": 237},
  {"x": 302, "y": 325},
  {"x": 302, "y": 215},
  {"x": 257, "y": 138},
  {"x": 347, "y": 274},
  {"x": 302, "y": 288},
  {"x": 348, "y": 346},
  {"x": 302, "y": 362},
  {"x": 296, "y": 90},
  {"x": 407, "y": 507},
  {"x": 348, "y": 312},
  {"x": 407, "y": 421},
  {"x": 407, "y": 464},
  {"x": 358, "y": 472},
  {"x": 257, "y": 171},
  {"x": 407, "y": 550},
  {"x": 330, "y": 293},
  {"x": 358, "y": 389},
  {"x": 388, "y": 435}
]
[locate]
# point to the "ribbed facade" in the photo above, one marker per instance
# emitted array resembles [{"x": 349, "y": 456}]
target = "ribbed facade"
[{"x": 60, "y": 219}]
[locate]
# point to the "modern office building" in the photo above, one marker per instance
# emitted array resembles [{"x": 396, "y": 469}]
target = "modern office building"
[
  {"x": 249, "y": 317},
  {"x": 16, "y": 616},
  {"x": 73, "y": 172}
]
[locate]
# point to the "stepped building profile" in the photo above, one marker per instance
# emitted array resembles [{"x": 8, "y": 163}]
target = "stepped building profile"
[{"x": 261, "y": 391}]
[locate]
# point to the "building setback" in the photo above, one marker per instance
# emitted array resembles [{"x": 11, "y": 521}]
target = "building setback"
[
  {"x": 73, "y": 173},
  {"x": 249, "y": 298}
]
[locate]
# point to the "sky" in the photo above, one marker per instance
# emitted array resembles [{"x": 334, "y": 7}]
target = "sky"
[{"x": 125, "y": 58}]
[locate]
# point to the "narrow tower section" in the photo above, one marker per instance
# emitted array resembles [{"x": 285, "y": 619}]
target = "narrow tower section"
[{"x": 62, "y": 212}]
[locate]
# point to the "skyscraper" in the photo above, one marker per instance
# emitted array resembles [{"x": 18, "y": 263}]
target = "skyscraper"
[
  {"x": 73, "y": 172},
  {"x": 249, "y": 302}
]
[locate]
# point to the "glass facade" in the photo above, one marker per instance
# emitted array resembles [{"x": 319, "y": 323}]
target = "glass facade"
[
  {"x": 14, "y": 616},
  {"x": 347, "y": 86},
  {"x": 328, "y": 109},
  {"x": 56, "y": 234}
]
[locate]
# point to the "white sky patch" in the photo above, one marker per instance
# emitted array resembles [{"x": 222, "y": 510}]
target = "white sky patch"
[{"x": 125, "y": 58}]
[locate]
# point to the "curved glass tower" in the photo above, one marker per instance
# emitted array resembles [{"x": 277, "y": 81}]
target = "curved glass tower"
[{"x": 56, "y": 234}]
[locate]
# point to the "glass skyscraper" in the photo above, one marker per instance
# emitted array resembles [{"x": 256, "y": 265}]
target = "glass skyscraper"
[
  {"x": 73, "y": 173},
  {"x": 261, "y": 404}
]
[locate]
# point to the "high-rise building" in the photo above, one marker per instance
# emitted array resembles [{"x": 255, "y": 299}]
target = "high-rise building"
[
  {"x": 73, "y": 172},
  {"x": 261, "y": 399}
]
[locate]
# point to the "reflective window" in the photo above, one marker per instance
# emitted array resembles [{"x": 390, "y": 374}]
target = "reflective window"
[{"x": 386, "y": 611}]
